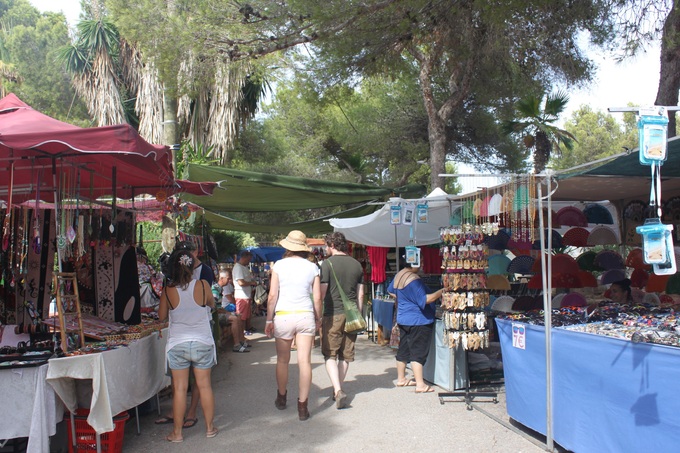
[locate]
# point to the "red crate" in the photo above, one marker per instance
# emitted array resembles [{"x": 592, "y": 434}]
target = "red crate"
[{"x": 86, "y": 437}]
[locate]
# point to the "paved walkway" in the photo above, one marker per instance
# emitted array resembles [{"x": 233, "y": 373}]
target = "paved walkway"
[{"x": 380, "y": 417}]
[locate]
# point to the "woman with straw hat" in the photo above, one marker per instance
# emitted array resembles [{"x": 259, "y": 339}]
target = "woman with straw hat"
[{"x": 294, "y": 313}]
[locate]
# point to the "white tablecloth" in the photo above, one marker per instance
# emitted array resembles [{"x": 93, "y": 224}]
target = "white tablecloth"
[
  {"x": 121, "y": 378},
  {"x": 29, "y": 407}
]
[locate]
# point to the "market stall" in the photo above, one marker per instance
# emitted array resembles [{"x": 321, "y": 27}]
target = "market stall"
[{"x": 82, "y": 173}]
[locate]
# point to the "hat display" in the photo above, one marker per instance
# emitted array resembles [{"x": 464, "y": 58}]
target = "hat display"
[
  {"x": 498, "y": 282},
  {"x": 572, "y": 216},
  {"x": 574, "y": 300},
  {"x": 521, "y": 265},
  {"x": 602, "y": 235},
  {"x": 503, "y": 303},
  {"x": 639, "y": 278},
  {"x": 586, "y": 261},
  {"x": 498, "y": 265},
  {"x": 588, "y": 280},
  {"x": 296, "y": 241},
  {"x": 576, "y": 237},
  {"x": 596, "y": 213},
  {"x": 609, "y": 259},
  {"x": 612, "y": 276}
]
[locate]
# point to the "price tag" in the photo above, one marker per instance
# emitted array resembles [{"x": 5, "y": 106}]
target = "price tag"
[{"x": 519, "y": 336}]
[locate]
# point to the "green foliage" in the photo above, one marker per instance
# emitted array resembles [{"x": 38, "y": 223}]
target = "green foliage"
[
  {"x": 598, "y": 135},
  {"x": 150, "y": 233},
  {"x": 30, "y": 41},
  {"x": 198, "y": 154}
]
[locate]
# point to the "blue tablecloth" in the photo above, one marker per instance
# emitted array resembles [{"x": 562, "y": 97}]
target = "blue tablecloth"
[
  {"x": 609, "y": 394},
  {"x": 383, "y": 313}
]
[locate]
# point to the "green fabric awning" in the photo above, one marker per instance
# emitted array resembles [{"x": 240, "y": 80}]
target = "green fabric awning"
[
  {"x": 247, "y": 191},
  {"x": 312, "y": 227},
  {"x": 622, "y": 178}
]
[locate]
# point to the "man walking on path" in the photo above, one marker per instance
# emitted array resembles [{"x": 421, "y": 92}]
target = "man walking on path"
[
  {"x": 243, "y": 288},
  {"x": 337, "y": 346}
]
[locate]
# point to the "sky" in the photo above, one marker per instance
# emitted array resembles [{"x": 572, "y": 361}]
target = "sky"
[{"x": 615, "y": 85}]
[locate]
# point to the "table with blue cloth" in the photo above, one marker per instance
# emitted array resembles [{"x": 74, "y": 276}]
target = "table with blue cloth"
[
  {"x": 383, "y": 315},
  {"x": 608, "y": 394}
]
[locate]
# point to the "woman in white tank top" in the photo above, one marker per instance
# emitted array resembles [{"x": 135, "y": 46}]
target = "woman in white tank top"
[
  {"x": 187, "y": 303},
  {"x": 294, "y": 312}
]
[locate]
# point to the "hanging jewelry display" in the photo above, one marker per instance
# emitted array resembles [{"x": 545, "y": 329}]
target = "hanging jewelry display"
[{"x": 464, "y": 261}]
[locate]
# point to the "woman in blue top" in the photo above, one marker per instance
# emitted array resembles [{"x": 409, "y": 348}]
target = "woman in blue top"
[{"x": 415, "y": 316}]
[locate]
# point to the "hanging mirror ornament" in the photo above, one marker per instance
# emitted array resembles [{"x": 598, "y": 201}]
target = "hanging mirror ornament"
[
  {"x": 653, "y": 131},
  {"x": 412, "y": 255},
  {"x": 395, "y": 212},
  {"x": 422, "y": 212},
  {"x": 409, "y": 211}
]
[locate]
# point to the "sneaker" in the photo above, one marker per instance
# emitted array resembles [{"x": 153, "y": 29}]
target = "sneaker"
[
  {"x": 245, "y": 344},
  {"x": 341, "y": 399},
  {"x": 240, "y": 348}
]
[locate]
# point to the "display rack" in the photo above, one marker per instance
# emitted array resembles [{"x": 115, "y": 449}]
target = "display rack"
[
  {"x": 464, "y": 263},
  {"x": 68, "y": 307}
]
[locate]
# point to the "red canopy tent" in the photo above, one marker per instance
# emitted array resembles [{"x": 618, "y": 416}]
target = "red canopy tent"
[{"x": 37, "y": 144}]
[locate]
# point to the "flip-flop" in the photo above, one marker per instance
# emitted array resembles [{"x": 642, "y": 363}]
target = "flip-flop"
[
  {"x": 189, "y": 422},
  {"x": 211, "y": 434},
  {"x": 428, "y": 389},
  {"x": 164, "y": 420},
  {"x": 174, "y": 441},
  {"x": 408, "y": 383}
]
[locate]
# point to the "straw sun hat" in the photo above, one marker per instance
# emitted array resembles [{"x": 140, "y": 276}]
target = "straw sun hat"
[{"x": 296, "y": 241}]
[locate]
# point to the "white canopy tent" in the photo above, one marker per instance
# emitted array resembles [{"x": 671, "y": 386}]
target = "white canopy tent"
[{"x": 376, "y": 230}]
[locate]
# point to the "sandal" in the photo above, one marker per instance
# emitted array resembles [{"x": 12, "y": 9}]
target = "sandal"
[
  {"x": 427, "y": 389},
  {"x": 165, "y": 420},
  {"x": 174, "y": 439},
  {"x": 189, "y": 422},
  {"x": 408, "y": 383},
  {"x": 211, "y": 434}
]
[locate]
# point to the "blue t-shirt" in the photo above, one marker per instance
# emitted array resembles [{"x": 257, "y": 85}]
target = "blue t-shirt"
[{"x": 412, "y": 309}]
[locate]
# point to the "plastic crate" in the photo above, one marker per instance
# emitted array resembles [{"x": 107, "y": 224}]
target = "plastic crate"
[{"x": 86, "y": 437}]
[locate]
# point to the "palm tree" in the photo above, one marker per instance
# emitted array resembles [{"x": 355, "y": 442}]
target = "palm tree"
[{"x": 535, "y": 126}]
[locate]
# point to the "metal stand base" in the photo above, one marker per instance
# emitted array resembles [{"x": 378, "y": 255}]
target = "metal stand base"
[{"x": 468, "y": 397}]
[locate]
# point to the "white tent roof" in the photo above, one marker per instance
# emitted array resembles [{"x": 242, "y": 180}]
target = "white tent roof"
[{"x": 375, "y": 229}]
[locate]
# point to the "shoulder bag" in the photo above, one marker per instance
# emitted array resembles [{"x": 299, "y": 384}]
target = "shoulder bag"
[{"x": 354, "y": 320}]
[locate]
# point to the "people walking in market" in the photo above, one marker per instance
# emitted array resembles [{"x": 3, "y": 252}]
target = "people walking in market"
[
  {"x": 231, "y": 319},
  {"x": 337, "y": 346},
  {"x": 415, "y": 316},
  {"x": 244, "y": 282},
  {"x": 186, "y": 303},
  {"x": 294, "y": 312}
]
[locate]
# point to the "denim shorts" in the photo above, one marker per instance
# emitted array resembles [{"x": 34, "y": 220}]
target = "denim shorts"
[{"x": 191, "y": 353}]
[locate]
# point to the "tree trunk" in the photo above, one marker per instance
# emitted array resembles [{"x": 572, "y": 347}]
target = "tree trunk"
[
  {"x": 669, "y": 76},
  {"x": 541, "y": 152},
  {"x": 436, "y": 131},
  {"x": 170, "y": 125}
]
